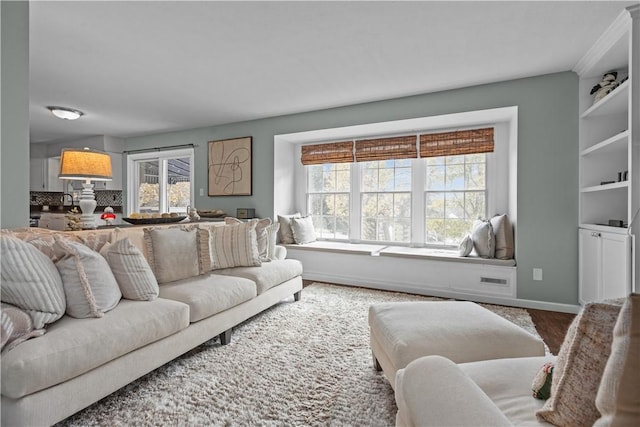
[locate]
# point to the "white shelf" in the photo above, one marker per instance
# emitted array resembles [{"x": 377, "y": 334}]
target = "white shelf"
[
  {"x": 614, "y": 103},
  {"x": 605, "y": 187},
  {"x": 604, "y": 228},
  {"x": 616, "y": 142}
]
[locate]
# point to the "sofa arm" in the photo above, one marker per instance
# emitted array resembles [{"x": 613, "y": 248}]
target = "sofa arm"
[
  {"x": 281, "y": 252},
  {"x": 434, "y": 391}
]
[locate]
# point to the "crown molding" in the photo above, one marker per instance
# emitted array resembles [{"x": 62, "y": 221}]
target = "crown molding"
[{"x": 618, "y": 29}]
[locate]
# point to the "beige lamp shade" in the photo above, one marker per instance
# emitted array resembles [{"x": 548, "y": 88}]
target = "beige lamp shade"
[{"x": 85, "y": 164}]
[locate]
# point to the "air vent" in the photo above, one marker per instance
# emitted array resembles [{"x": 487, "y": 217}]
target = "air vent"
[{"x": 493, "y": 281}]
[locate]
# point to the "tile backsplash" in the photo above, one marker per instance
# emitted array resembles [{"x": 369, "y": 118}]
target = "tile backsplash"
[{"x": 103, "y": 198}]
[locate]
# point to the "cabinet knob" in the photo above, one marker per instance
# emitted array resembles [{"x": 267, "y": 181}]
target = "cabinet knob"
[{"x": 595, "y": 234}]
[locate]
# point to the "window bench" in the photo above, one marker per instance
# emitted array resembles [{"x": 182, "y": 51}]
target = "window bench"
[{"x": 424, "y": 271}]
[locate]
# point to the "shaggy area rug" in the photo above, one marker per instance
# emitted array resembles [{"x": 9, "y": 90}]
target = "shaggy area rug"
[{"x": 305, "y": 363}]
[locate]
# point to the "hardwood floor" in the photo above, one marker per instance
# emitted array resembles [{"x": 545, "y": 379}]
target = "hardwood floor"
[{"x": 551, "y": 325}]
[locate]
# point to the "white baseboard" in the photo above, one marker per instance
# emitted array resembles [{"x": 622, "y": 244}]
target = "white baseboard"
[{"x": 442, "y": 293}]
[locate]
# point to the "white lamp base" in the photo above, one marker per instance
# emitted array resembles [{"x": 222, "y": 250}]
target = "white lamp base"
[{"x": 87, "y": 202}]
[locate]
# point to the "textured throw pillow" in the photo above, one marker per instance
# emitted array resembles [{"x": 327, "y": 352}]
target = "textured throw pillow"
[
  {"x": 89, "y": 285},
  {"x": 95, "y": 241},
  {"x": 205, "y": 256},
  {"x": 30, "y": 281},
  {"x": 286, "y": 234},
  {"x": 272, "y": 236},
  {"x": 579, "y": 366},
  {"x": 235, "y": 246},
  {"x": 303, "y": 231},
  {"x": 466, "y": 246},
  {"x": 131, "y": 270},
  {"x": 541, "y": 386},
  {"x": 44, "y": 242},
  {"x": 618, "y": 399},
  {"x": 172, "y": 252},
  {"x": 261, "y": 234},
  {"x": 483, "y": 238},
  {"x": 17, "y": 327},
  {"x": 503, "y": 231}
]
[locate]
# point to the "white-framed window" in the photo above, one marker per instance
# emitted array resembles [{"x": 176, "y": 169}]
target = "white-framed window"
[
  {"x": 455, "y": 195},
  {"x": 385, "y": 210},
  {"x": 160, "y": 181},
  {"x": 452, "y": 189},
  {"x": 328, "y": 199}
]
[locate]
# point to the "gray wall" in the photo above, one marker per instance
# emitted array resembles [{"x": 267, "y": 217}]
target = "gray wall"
[
  {"x": 14, "y": 142},
  {"x": 547, "y": 164}
]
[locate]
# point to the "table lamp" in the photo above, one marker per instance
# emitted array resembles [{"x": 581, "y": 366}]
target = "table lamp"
[{"x": 88, "y": 165}]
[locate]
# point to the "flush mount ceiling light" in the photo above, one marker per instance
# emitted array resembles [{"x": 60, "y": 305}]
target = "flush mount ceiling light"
[{"x": 65, "y": 113}]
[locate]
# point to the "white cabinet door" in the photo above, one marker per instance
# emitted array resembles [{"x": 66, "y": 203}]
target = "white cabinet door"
[
  {"x": 53, "y": 169},
  {"x": 37, "y": 175},
  {"x": 605, "y": 265},
  {"x": 43, "y": 174},
  {"x": 616, "y": 265},
  {"x": 116, "y": 172},
  {"x": 590, "y": 271}
]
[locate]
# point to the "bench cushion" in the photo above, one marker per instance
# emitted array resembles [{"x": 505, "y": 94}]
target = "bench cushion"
[
  {"x": 209, "y": 294},
  {"x": 267, "y": 276},
  {"x": 72, "y": 347}
]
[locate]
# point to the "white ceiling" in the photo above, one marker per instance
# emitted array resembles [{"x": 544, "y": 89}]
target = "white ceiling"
[{"x": 146, "y": 67}]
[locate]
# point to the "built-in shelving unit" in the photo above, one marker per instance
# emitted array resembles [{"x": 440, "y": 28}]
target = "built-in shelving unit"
[{"x": 609, "y": 163}]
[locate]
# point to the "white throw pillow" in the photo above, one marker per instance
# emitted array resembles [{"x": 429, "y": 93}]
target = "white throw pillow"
[
  {"x": 172, "y": 252},
  {"x": 131, "y": 270},
  {"x": 235, "y": 246},
  {"x": 303, "y": 231},
  {"x": 466, "y": 246},
  {"x": 503, "y": 231},
  {"x": 483, "y": 238},
  {"x": 30, "y": 281},
  {"x": 286, "y": 234},
  {"x": 89, "y": 285}
]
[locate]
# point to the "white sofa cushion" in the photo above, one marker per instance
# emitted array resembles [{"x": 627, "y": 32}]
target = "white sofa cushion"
[
  {"x": 507, "y": 382},
  {"x": 268, "y": 275},
  {"x": 209, "y": 294},
  {"x": 72, "y": 347}
]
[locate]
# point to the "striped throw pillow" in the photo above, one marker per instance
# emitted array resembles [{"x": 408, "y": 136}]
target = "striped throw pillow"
[
  {"x": 235, "y": 246},
  {"x": 131, "y": 270},
  {"x": 31, "y": 281}
]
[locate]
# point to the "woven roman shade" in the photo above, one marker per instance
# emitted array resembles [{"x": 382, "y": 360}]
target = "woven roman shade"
[
  {"x": 398, "y": 147},
  {"x": 470, "y": 141},
  {"x": 333, "y": 152}
]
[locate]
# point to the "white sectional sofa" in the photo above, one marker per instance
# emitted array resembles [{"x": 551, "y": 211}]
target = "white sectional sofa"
[{"x": 78, "y": 361}]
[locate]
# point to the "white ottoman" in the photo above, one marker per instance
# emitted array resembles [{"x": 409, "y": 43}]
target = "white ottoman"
[{"x": 461, "y": 331}]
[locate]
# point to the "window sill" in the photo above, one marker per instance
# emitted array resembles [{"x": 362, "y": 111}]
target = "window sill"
[{"x": 400, "y": 252}]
